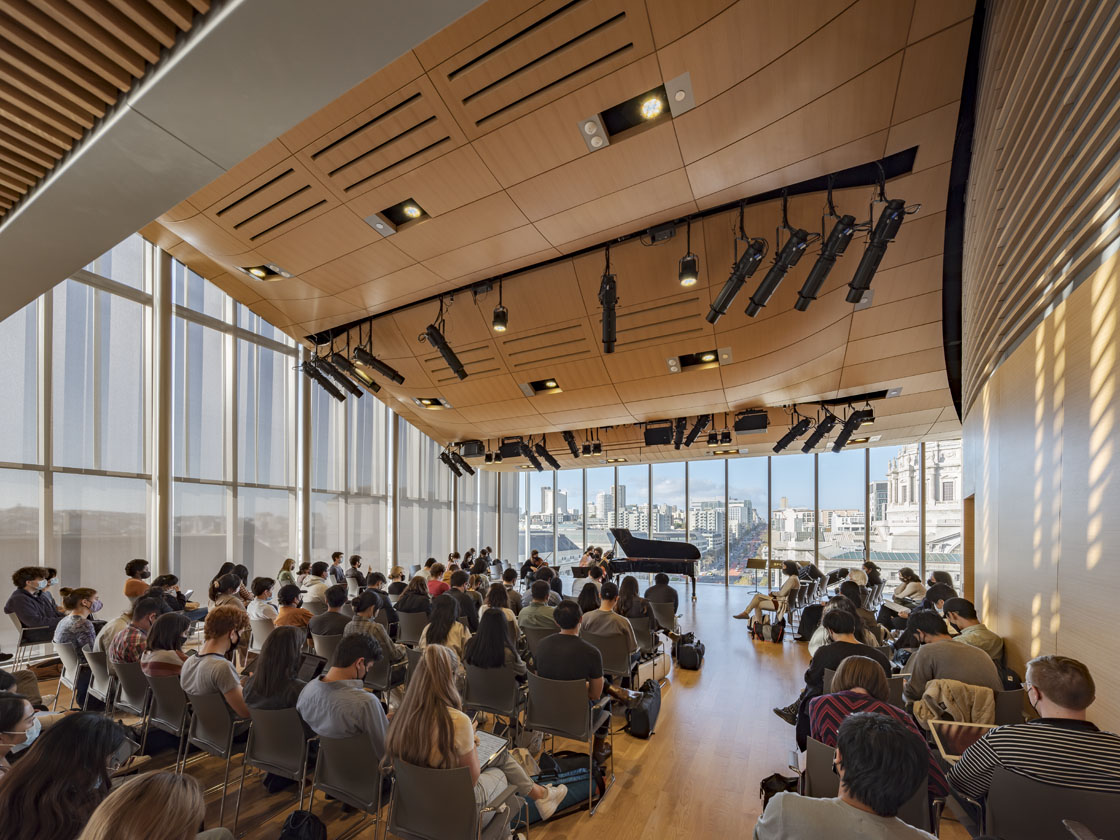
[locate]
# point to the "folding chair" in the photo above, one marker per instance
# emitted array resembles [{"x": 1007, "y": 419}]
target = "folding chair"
[
  {"x": 495, "y": 691},
  {"x": 134, "y": 695},
  {"x": 23, "y": 646},
  {"x": 410, "y": 627},
  {"x": 170, "y": 712},
  {"x": 261, "y": 628},
  {"x": 458, "y": 817},
  {"x": 213, "y": 729},
  {"x": 325, "y": 646},
  {"x": 103, "y": 684},
  {"x": 72, "y": 667},
  {"x": 349, "y": 770},
  {"x": 533, "y": 636},
  {"x": 665, "y": 616},
  {"x": 273, "y": 748}
]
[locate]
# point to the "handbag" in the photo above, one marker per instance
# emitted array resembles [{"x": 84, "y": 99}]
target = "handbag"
[
  {"x": 773, "y": 784},
  {"x": 303, "y": 825}
]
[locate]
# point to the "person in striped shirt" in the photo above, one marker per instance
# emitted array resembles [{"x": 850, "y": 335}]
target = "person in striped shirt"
[{"x": 1059, "y": 748}]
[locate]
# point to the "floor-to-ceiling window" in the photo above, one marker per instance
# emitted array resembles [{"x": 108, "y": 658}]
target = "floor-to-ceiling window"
[
  {"x": 944, "y": 513},
  {"x": 424, "y": 516},
  {"x": 747, "y": 511},
  {"x": 707, "y": 516},
  {"x": 893, "y": 497},
  {"x": 631, "y": 503},
  {"x": 840, "y": 519},
  {"x": 792, "y": 512},
  {"x": 668, "y": 510},
  {"x": 569, "y": 517},
  {"x": 599, "y": 507}
]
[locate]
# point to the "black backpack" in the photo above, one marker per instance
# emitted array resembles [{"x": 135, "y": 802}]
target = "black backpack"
[
  {"x": 642, "y": 719},
  {"x": 303, "y": 825},
  {"x": 690, "y": 655}
]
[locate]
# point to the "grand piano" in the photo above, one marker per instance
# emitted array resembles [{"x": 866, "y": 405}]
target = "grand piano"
[{"x": 653, "y": 556}]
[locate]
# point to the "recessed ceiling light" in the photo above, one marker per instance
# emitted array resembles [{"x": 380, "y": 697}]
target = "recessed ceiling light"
[
  {"x": 727, "y": 452},
  {"x": 615, "y": 460},
  {"x": 597, "y": 141},
  {"x": 679, "y": 96},
  {"x": 258, "y": 272},
  {"x": 412, "y": 211},
  {"x": 708, "y": 357},
  {"x": 431, "y": 403},
  {"x": 652, "y": 107},
  {"x": 269, "y": 271},
  {"x": 548, "y": 385},
  {"x": 590, "y": 127},
  {"x": 696, "y": 361},
  {"x": 551, "y": 383},
  {"x": 403, "y": 213}
]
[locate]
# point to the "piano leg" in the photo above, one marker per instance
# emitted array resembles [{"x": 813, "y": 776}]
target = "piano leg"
[{"x": 693, "y": 579}]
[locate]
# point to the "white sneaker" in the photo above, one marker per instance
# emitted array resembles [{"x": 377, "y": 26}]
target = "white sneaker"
[{"x": 547, "y": 807}]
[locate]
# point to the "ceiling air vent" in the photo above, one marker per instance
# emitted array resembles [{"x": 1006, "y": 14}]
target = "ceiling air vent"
[{"x": 283, "y": 200}]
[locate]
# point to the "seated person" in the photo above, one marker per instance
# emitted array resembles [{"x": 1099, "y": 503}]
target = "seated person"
[
  {"x": 304, "y": 572},
  {"x": 316, "y": 584},
  {"x": 970, "y": 630},
  {"x": 30, "y": 606},
  {"x": 940, "y": 577},
  {"x": 509, "y": 581},
  {"x": 481, "y": 565},
  {"x": 606, "y": 621},
  {"x": 820, "y": 636},
  {"x": 630, "y": 604},
  {"x": 546, "y": 574},
  {"x": 397, "y": 582},
  {"x": 774, "y": 600},
  {"x": 854, "y": 593},
  {"x": 173, "y": 598},
  {"x": 365, "y": 607},
  {"x": 529, "y": 567},
  {"x": 596, "y": 576},
  {"x": 109, "y": 632},
  {"x": 415, "y": 597},
  {"x": 497, "y": 598},
  {"x": 538, "y": 615},
  {"x": 376, "y": 581},
  {"x": 426, "y": 572},
  {"x": 940, "y": 658},
  {"x": 477, "y": 586},
  {"x": 163, "y": 656},
  {"x": 906, "y": 595},
  {"x": 662, "y": 593},
  {"x": 493, "y": 645},
  {"x": 129, "y": 644},
  {"x": 336, "y": 704},
  {"x": 286, "y": 573},
  {"x": 273, "y": 684},
  {"x": 18, "y": 726},
  {"x": 858, "y": 577},
  {"x": 444, "y": 628},
  {"x": 431, "y": 709},
  {"x": 76, "y": 630},
  {"x": 260, "y": 608},
  {"x": 355, "y": 577},
  {"x": 335, "y": 572},
  {"x": 467, "y": 606},
  {"x": 881, "y": 763},
  {"x": 436, "y": 586},
  {"x": 873, "y": 572},
  {"x": 164, "y": 805},
  {"x": 229, "y": 589},
  {"x": 137, "y": 574},
  {"x": 859, "y": 686},
  {"x": 332, "y": 622},
  {"x": 212, "y": 671},
  {"x": 1061, "y": 747},
  {"x": 588, "y": 598},
  {"x": 291, "y": 612}
]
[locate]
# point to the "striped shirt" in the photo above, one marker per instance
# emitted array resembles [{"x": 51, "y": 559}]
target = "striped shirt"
[{"x": 1055, "y": 751}]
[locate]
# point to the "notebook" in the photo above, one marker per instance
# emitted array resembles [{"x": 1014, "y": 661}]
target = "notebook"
[
  {"x": 310, "y": 666},
  {"x": 954, "y": 738},
  {"x": 489, "y": 748}
]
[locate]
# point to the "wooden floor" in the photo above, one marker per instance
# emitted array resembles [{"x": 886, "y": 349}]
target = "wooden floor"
[{"x": 697, "y": 776}]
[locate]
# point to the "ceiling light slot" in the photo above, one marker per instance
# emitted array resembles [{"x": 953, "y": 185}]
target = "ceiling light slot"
[
  {"x": 645, "y": 109},
  {"x": 431, "y": 403},
  {"x": 405, "y": 213}
]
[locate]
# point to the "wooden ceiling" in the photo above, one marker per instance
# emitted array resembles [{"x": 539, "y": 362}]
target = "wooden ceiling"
[
  {"x": 480, "y": 126},
  {"x": 63, "y": 65}
]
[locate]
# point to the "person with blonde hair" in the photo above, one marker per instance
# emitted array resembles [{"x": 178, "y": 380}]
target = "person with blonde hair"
[
  {"x": 154, "y": 805},
  {"x": 431, "y": 730},
  {"x": 286, "y": 575},
  {"x": 397, "y": 582}
]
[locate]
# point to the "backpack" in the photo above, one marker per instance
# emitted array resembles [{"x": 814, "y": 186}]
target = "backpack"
[
  {"x": 573, "y": 770},
  {"x": 810, "y": 619},
  {"x": 303, "y": 825},
  {"x": 690, "y": 655},
  {"x": 764, "y": 631},
  {"x": 642, "y": 719},
  {"x": 773, "y": 784}
]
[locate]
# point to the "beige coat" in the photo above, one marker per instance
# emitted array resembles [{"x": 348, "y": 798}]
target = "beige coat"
[{"x": 963, "y": 702}]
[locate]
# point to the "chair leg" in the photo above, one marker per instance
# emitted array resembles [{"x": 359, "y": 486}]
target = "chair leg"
[
  {"x": 225, "y": 785},
  {"x": 240, "y": 788}
]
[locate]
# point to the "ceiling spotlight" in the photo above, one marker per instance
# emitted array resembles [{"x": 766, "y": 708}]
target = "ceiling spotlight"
[
  {"x": 678, "y": 431},
  {"x": 257, "y": 271},
  {"x": 608, "y": 299},
  {"x": 527, "y": 453},
  {"x": 615, "y": 460},
  {"x": 345, "y": 365},
  {"x": 824, "y": 427},
  {"x": 890, "y": 220},
  {"x": 500, "y": 321},
  {"x": 550, "y": 383},
  {"x": 412, "y": 211},
  {"x": 744, "y": 267},
  {"x": 708, "y": 357},
  {"x": 498, "y": 457},
  {"x": 338, "y": 376},
  {"x": 546, "y": 456},
  {"x": 688, "y": 271},
  {"x": 854, "y": 421},
  {"x": 713, "y": 438},
  {"x": 652, "y": 108},
  {"x": 436, "y": 339},
  {"x": 461, "y": 463},
  {"x": 800, "y": 428},
  {"x": 787, "y": 258},
  {"x": 725, "y": 437},
  {"x": 570, "y": 439},
  {"x": 324, "y": 383},
  {"x": 700, "y": 425},
  {"x": 596, "y": 448},
  {"x": 443, "y": 456},
  {"x": 364, "y": 357},
  {"x": 587, "y": 449},
  {"x": 834, "y": 246},
  {"x": 489, "y": 459}
]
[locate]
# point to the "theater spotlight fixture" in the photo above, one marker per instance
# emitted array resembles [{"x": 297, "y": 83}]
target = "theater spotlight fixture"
[
  {"x": 596, "y": 448},
  {"x": 854, "y": 421},
  {"x": 787, "y": 258},
  {"x": 364, "y": 357},
  {"x": 833, "y": 247},
  {"x": 443, "y": 456},
  {"x": 500, "y": 321},
  {"x": 587, "y": 449},
  {"x": 461, "y": 463},
  {"x": 527, "y": 453},
  {"x": 546, "y": 456},
  {"x": 689, "y": 270},
  {"x": 435, "y": 337},
  {"x": 337, "y": 375},
  {"x": 570, "y": 439},
  {"x": 678, "y": 431},
  {"x": 796, "y": 431},
  {"x": 713, "y": 438},
  {"x": 324, "y": 383},
  {"x": 346, "y": 366},
  {"x": 725, "y": 437},
  {"x": 743, "y": 268},
  {"x": 890, "y": 220},
  {"x": 700, "y": 425},
  {"x": 608, "y": 299},
  {"x": 824, "y": 427}
]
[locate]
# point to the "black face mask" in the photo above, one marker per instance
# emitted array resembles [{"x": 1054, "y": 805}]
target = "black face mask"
[
  {"x": 144, "y": 575},
  {"x": 233, "y": 647}
]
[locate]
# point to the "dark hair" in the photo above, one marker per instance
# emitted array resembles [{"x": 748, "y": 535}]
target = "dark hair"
[
  {"x": 608, "y": 591},
  {"x": 229, "y": 583},
  {"x": 851, "y": 590},
  {"x": 357, "y": 646},
  {"x": 134, "y": 567},
  {"x": 11, "y": 709},
  {"x": 431, "y": 561},
  {"x": 567, "y": 614},
  {"x": 319, "y": 568},
  {"x": 374, "y": 578},
  {"x": 7, "y": 681},
  {"x": 907, "y": 575},
  {"x": 869, "y": 566},
  {"x": 225, "y": 569},
  {"x": 939, "y": 592},
  {"x": 861, "y": 672},
  {"x": 278, "y": 661},
  {"x": 459, "y": 578},
  {"x": 588, "y": 598},
  {"x": 546, "y": 574},
  {"x": 242, "y": 572},
  {"x": 65, "y": 774},
  {"x": 23, "y": 575},
  {"x": 661, "y": 578},
  {"x": 305, "y": 565},
  {"x": 416, "y": 586},
  {"x": 961, "y": 606},
  {"x": 261, "y": 585},
  {"x": 790, "y": 568},
  {"x": 144, "y": 608},
  {"x": 336, "y": 595},
  {"x": 627, "y": 595},
  {"x": 166, "y": 581},
  {"x": 928, "y": 621},
  {"x": 76, "y": 596},
  {"x": 883, "y": 761},
  {"x": 497, "y": 598},
  {"x": 595, "y": 572},
  {"x": 288, "y": 594},
  {"x": 539, "y": 590},
  {"x": 336, "y": 555},
  {"x": 167, "y": 632},
  {"x": 445, "y": 612},
  {"x": 941, "y": 577},
  {"x": 363, "y": 601},
  {"x": 839, "y": 621},
  {"x": 1064, "y": 680},
  {"x": 509, "y": 575},
  {"x": 436, "y": 571},
  {"x": 355, "y": 559},
  {"x": 487, "y": 648}
]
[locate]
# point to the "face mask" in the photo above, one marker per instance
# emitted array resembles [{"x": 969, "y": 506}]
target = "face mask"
[
  {"x": 28, "y": 737},
  {"x": 96, "y": 605},
  {"x": 233, "y": 647},
  {"x": 42, "y": 584},
  {"x": 54, "y": 581},
  {"x": 144, "y": 575}
]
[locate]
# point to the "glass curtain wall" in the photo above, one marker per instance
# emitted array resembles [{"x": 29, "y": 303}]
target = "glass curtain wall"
[
  {"x": 424, "y": 516},
  {"x": 668, "y": 512},
  {"x": 631, "y": 503},
  {"x": 748, "y": 512},
  {"x": 599, "y": 507},
  {"x": 569, "y": 517},
  {"x": 792, "y": 510},
  {"x": 707, "y": 516},
  {"x": 840, "y": 520}
]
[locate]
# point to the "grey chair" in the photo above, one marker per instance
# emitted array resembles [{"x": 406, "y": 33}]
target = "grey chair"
[
  {"x": 665, "y": 616},
  {"x": 1025, "y": 809},
  {"x": 213, "y": 729},
  {"x": 615, "y": 653},
  {"x": 382, "y": 618},
  {"x": 261, "y": 628},
  {"x": 495, "y": 691},
  {"x": 533, "y": 636},
  {"x": 349, "y": 770},
  {"x": 393, "y": 598},
  {"x": 273, "y": 748},
  {"x": 102, "y": 685},
  {"x": 352, "y": 587},
  {"x": 325, "y": 646},
  {"x": 410, "y": 627},
  {"x": 170, "y": 713},
  {"x": 315, "y": 607},
  {"x": 385, "y": 674},
  {"x": 414, "y": 570},
  {"x": 1009, "y": 706},
  {"x": 134, "y": 695},
  {"x": 458, "y": 817},
  {"x": 649, "y": 643},
  {"x": 413, "y": 660},
  {"x": 23, "y": 646},
  {"x": 72, "y": 667},
  {"x": 561, "y": 708}
]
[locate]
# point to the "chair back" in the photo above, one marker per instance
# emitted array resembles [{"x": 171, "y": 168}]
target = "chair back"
[
  {"x": 413, "y": 655},
  {"x": 411, "y": 814},
  {"x": 315, "y": 607},
  {"x": 352, "y": 587},
  {"x": 492, "y": 690},
  {"x": 101, "y": 685},
  {"x": 325, "y": 646},
  {"x": 1025, "y": 809},
  {"x": 559, "y": 707},
  {"x": 348, "y": 770},
  {"x": 819, "y": 781},
  {"x": 276, "y": 743},
  {"x": 614, "y": 650},
  {"x": 134, "y": 691},
  {"x": 261, "y": 628},
  {"x": 415, "y": 570},
  {"x": 394, "y": 598},
  {"x": 379, "y": 677},
  {"x": 410, "y": 627},
  {"x": 382, "y": 618},
  {"x": 643, "y": 632},
  {"x": 533, "y": 636},
  {"x": 72, "y": 663},
  {"x": 169, "y": 704},
  {"x": 211, "y": 724},
  {"x": 665, "y": 615},
  {"x": 1009, "y": 706}
]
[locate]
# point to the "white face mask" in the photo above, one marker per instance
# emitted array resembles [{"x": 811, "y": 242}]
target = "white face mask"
[{"x": 29, "y": 736}]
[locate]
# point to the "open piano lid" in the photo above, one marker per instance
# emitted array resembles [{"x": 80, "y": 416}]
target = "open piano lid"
[{"x": 638, "y": 548}]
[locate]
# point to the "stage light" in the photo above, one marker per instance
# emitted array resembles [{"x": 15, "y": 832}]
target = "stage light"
[
  {"x": 800, "y": 428},
  {"x": 530, "y": 457},
  {"x": 347, "y": 367},
  {"x": 744, "y": 268},
  {"x": 725, "y": 437},
  {"x": 443, "y": 456},
  {"x": 834, "y": 246},
  {"x": 824, "y": 427},
  {"x": 436, "y": 339},
  {"x": 787, "y": 258},
  {"x": 890, "y": 220},
  {"x": 500, "y": 321},
  {"x": 678, "y": 432},
  {"x": 363, "y": 356},
  {"x": 498, "y": 457},
  {"x": 324, "y": 383},
  {"x": 700, "y": 425},
  {"x": 713, "y": 438},
  {"x": 596, "y": 448},
  {"x": 688, "y": 271},
  {"x": 854, "y": 421},
  {"x": 546, "y": 456},
  {"x": 338, "y": 376},
  {"x": 587, "y": 449},
  {"x": 570, "y": 439},
  {"x": 461, "y": 462},
  {"x": 608, "y": 299},
  {"x": 489, "y": 458}
]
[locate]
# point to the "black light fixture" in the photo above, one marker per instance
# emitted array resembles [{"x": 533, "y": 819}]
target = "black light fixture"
[
  {"x": 678, "y": 431},
  {"x": 346, "y": 366},
  {"x": 315, "y": 374},
  {"x": 434, "y": 336},
  {"x": 824, "y": 427},
  {"x": 742, "y": 268},
  {"x": 700, "y": 425},
  {"x": 587, "y": 449},
  {"x": 530, "y": 457},
  {"x": 546, "y": 456},
  {"x": 596, "y": 448},
  {"x": 725, "y": 437},
  {"x": 796, "y": 431},
  {"x": 443, "y": 456},
  {"x": 365, "y": 357},
  {"x": 833, "y": 247},
  {"x": 608, "y": 299},
  {"x": 461, "y": 462},
  {"x": 688, "y": 271},
  {"x": 855, "y": 419},
  {"x": 570, "y": 439},
  {"x": 325, "y": 366},
  {"x": 787, "y": 258},
  {"x": 890, "y": 220},
  {"x": 713, "y": 438},
  {"x": 500, "y": 321}
]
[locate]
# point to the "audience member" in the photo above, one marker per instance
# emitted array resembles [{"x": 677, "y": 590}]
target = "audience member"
[
  {"x": 260, "y": 608},
  {"x": 304, "y": 573},
  {"x": 630, "y": 604},
  {"x": 444, "y": 628},
  {"x": 545, "y": 574},
  {"x": 436, "y": 586},
  {"x": 662, "y": 593},
  {"x": 365, "y": 607},
  {"x": 451, "y": 569},
  {"x": 874, "y": 573},
  {"x": 38, "y": 614},
  {"x": 907, "y": 595},
  {"x": 426, "y": 572},
  {"x": 498, "y": 599},
  {"x": 291, "y": 612},
  {"x": 129, "y": 644},
  {"x": 316, "y": 584},
  {"x": 336, "y": 704},
  {"x": 858, "y": 577},
  {"x": 940, "y": 658},
  {"x": 539, "y": 615},
  {"x": 589, "y": 599},
  {"x": 431, "y": 730},
  {"x": 606, "y": 621},
  {"x": 286, "y": 575},
  {"x": 477, "y": 585},
  {"x": 596, "y": 576},
  {"x": 820, "y": 636},
  {"x": 355, "y": 577},
  {"x": 970, "y": 630},
  {"x": 273, "y": 683},
  {"x": 415, "y": 597},
  {"x": 772, "y": 601},
  {"x": 163, "y": 655},
  {"x": 212, "y": 671},
  {"x": 335, "y": 573},
  {"x": 137, "y": 573},
  {"x": 1061, "y": 747},
  {"x": 109, "y": 632},
  {"x": 467, "y": 606},
  {"x": 509, "y": 581},
  {"x": 229, "y": 592},
  {"x": 333, "y": 621},
  {"x": 174, "y": 599},
  {"x": 397, "y": 582},
  {"x": 493, "y": 645},
  {"x": 855, "y": 594},
  {"x": 481, "y": 565},
  {"x": 162, "y": 805},
  {"x": 214, "y": 590},
  {"x": 881, "y": 763},
  {"x": 375, "y": 582},
  {"x": 939, "y": 576},
  {"x": 26, "y": 682},
  {"x": 243, "y": 592},
  {"x": 18, "y": 726},
  {"x": 76, "y": 628},
  {"x": 51, "y": 576}
]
